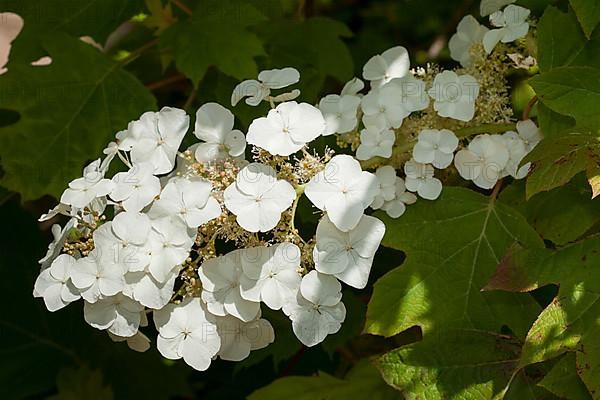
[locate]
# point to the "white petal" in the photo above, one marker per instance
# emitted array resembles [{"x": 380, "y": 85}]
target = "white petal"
[
  {"x": 320, "y": 289},
  {"x": 213, "y": 123}
]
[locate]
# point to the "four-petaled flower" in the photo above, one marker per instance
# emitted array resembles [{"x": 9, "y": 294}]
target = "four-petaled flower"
[
  {"x": 135, "y": 188},
  {"x": 435, "y": 147},
  {"x": 221, "y": 279},
  {"x": 420, "y": 179},
  {"x": 258, "y": 198},
  {"x": 188, "y": 200},
  {"x": 382, "y": 68},
  {"x": 348, "y": 255},
  {"x": 286, "y": 128},
  {"x": 343, "y": 190},
  {"x": 214, "y": 125},
  {"x": 54, "y": 284},
  {"x": 483, "y": 161},
  {"x": 187, "y": 331},
  {"x": 155, "y": 138},
  {"x": 317, "y": 310},
  {"x": 454, "y": 95},
  {"x": 511, "y": 23},
  {"x": 271, "y": 273}
]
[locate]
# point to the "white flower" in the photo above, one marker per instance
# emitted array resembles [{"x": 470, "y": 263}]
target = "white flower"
[
  {"x": 124, "y": 240},
  {"x": 54, "y": 284},
  {"x": 375, "y": 142},
  {"x": 287, "y": 128},
  {"x": 119, "y": 314},
  {"x": 454, "y": 95},
  {"x": 343, "y": 190},
  {"x": 138, "y": 342},
  {"x": 397, "y": 206},
  {"x": 386, "y": 178},
  {"x": 135, "y": 188},
  {"x": 60, "y": 208},
  {"x": 272, "y": 274},
  {"x": 170, "y": 242},
  {"x": 381, "y": 68},
  {"x": 142, "y": 287},
  {"x": 420, "y": 179},
  {"x": 156, "y": 138},
  {"x": 188, "y": 200},
  {"x": 257, "y": 91},
  {"x": 221, "y": 278},
  {"x": 214, "y": 125},
  {"x": 238, "y": 338},
  {"x": 530, "y": 134},
  {"x": 516, "y": 151},
  {"x": 352, "y": 87},
  {"x": 468, "y": 33},
  {"x": 187, "y": 331},
  {"x": 435, "y": 147},
  {"x": 97, "y": 275},
  {"x": 317, "y": 310},
  {"x": 488, "y": 7},
  {"x": 82, "y": 191},
  {"x": 483, "y": 161},
  {"x": 348, "y": 255},
  {"x": 512, "y": 24},
  {"x": 56, "y": 246},
  {"x": 258, "y": 198},
  {"x": 339, "y": 113},
  {"x": 396, "y": 100}
]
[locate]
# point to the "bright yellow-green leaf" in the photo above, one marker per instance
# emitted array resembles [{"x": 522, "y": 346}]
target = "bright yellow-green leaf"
[{"x": 452, "y": 248}]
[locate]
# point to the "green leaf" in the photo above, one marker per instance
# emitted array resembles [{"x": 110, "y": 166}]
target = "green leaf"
[
  {"x": 315, "y": 47},
  {"x": 572, "y": 91},
  {"x": 520, "y": 270},
  {"x": 547, "y": 213},
  {"x": 571, "y": 321},
  {"x": 564, "y": 214},
  {"x": 561, "y": 41},
  {"x": 362, "y": 382},
  {"x": 552, "y": 123},
  {"x": 95, "y": 18},
  {"x": 82, "y": 383},
  {"x": 69, "y": 111},
  {"x": 588, "y": 13},
  {"x": 452, "y": 364},
  {"x": 161, "y": 16},
  {"x": 440, "y": 282},
  {"x": 523, "y": 387},
  {"x": 528, "y": 269},
  {"x": 216, "y": 35},
  {"x": 563, "y": 381},
  {"x": 557, "y": 161}
]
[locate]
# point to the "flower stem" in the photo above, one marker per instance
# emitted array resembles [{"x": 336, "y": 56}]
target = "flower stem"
[
  {"x": 484, "y": 128},
  {"x": 299, "y": 190},
  {"x": 528, "y": 107},
  {"x": 182, "y": 7}
]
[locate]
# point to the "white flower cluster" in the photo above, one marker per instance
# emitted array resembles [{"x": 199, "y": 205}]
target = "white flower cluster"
[
  {"x": 201, "y": 239},
  {"x": 164, "y": 207}
]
